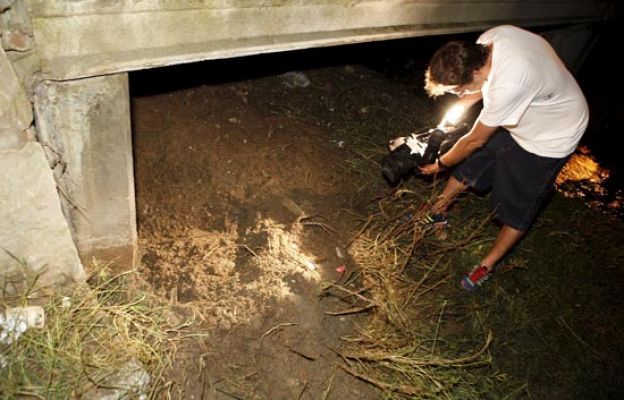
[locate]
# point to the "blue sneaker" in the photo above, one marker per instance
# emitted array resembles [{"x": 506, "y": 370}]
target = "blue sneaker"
[
  {"x": 475, "y": 278},
  {"x": 437, "y": 220}
]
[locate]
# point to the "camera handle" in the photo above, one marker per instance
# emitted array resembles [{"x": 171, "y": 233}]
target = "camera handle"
[{"x": 433, "y": 147}]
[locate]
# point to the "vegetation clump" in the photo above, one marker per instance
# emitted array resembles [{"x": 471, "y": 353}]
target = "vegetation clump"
[{"x": 105, "y": 337}]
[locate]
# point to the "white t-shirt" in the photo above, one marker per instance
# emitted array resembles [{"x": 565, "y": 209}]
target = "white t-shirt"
[{"x": 530, "y": 92}]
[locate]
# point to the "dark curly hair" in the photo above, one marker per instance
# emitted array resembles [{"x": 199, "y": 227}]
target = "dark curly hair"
[{"x": 453, "y": 64}]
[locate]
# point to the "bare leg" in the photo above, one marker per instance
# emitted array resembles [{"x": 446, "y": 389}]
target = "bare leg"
[
  {"x": 506, "y": 239},
  {"x": 453, "y": 188}
]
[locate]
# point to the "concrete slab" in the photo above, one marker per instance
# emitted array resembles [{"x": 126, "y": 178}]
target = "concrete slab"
[
  {"x": 150, "y": 33},
  {"x": 32, "y": 227}
]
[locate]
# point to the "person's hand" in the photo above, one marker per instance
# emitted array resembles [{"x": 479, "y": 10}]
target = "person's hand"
[{"x": 430, "y": 169}]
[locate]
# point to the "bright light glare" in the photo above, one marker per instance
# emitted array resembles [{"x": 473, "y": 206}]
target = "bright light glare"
[{"x": 453, "y": 115}]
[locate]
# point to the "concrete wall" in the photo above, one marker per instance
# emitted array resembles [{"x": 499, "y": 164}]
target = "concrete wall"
[
  {"x": 84, "y": 126},
  {"x": 35, "y": 240},
  {"x": 85, "y": 38},
  {"x": 15, "y": 109}
]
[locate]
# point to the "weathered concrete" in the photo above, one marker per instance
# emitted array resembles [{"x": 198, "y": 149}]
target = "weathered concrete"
[
  {"x": 15, "y": 28},
  {"x": 15, "y": 109},
  {"x": 32, "y": 227},
  {"x": 34, "y": 235},
  {"x": 86, "y": 38},
  {"x": 84, "y": 126},
  {"x": 26, "y": 66}
]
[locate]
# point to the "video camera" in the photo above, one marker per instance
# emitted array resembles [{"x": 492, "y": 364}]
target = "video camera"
[{"x": 419, "y": 149}]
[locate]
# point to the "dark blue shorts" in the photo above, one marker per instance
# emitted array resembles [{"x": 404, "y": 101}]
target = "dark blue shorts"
[{"x": 519, "y": 180}]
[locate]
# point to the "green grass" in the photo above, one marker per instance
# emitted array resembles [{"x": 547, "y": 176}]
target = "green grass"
[
  {"x": 560, "y": 314},
  {"x": 90, "y": 335},
  {"x": 553, "y": 307}
]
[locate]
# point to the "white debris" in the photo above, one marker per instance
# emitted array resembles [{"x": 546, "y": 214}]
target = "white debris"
[
  {"x": 295, "y": 79},
  {"x": 310, "y": 264},
  {"x": 339, "y": 252},
  {"x": 339, "y": 143},
  {"x": 15, "y": 321},
  {"x": 65, "y": 302},
  {"x": 33, "y": 316}
]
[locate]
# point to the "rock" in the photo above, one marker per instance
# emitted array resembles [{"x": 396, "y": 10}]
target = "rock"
[
  {"x": 131, "y": 382},
  {"x": 34, "y": 234}
]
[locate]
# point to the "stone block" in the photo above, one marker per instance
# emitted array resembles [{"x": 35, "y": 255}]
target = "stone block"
[{"x": 34, "y": 236}]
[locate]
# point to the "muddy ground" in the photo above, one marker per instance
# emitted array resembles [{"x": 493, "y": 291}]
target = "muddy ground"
[{"x": 247, "y": 195}]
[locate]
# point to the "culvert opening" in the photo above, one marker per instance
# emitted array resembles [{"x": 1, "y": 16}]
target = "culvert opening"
[
  {"x": 227, "y": 155},
  {"x": 222, "y": 147},
  {"x": 230, "y": 154}
]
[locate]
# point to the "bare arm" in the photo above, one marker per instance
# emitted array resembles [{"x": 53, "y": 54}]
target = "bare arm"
[{"x": 476, "y": 138}]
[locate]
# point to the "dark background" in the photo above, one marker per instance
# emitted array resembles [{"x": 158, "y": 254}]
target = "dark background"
[
  {"x": 405, "y": 60},
  {"x": 601, "y": 79}
]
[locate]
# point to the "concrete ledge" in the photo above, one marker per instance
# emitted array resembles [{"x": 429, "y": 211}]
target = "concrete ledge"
[{"x": 78, "y": 39}]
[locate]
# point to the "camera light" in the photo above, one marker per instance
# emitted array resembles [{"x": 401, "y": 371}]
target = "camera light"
[{"x": 452, "y": 116}]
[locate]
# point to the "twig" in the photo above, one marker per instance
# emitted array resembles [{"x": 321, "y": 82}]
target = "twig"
[
  {"x": 563, "y": 323},
  {"x": 426, "y": 362},
  {"x": 229, "y": 394},
  {"x": 249, "y": 250},
  {"x": 366, "y": 224},
  {"x": 352, "y": 293},
  {"x": 515, "y": 392},
  {"x": 405, "y": 389},
  {"x": 297, "y": 352},
  {"x": 329, "y": 385},
  {"x": 441, "y": 281},
  {"x": 303, "y": 389},
  {"x": 276, "y": 327},
  {"x": 435, "y": 337},
  {"x": 352, "y": 310}
]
